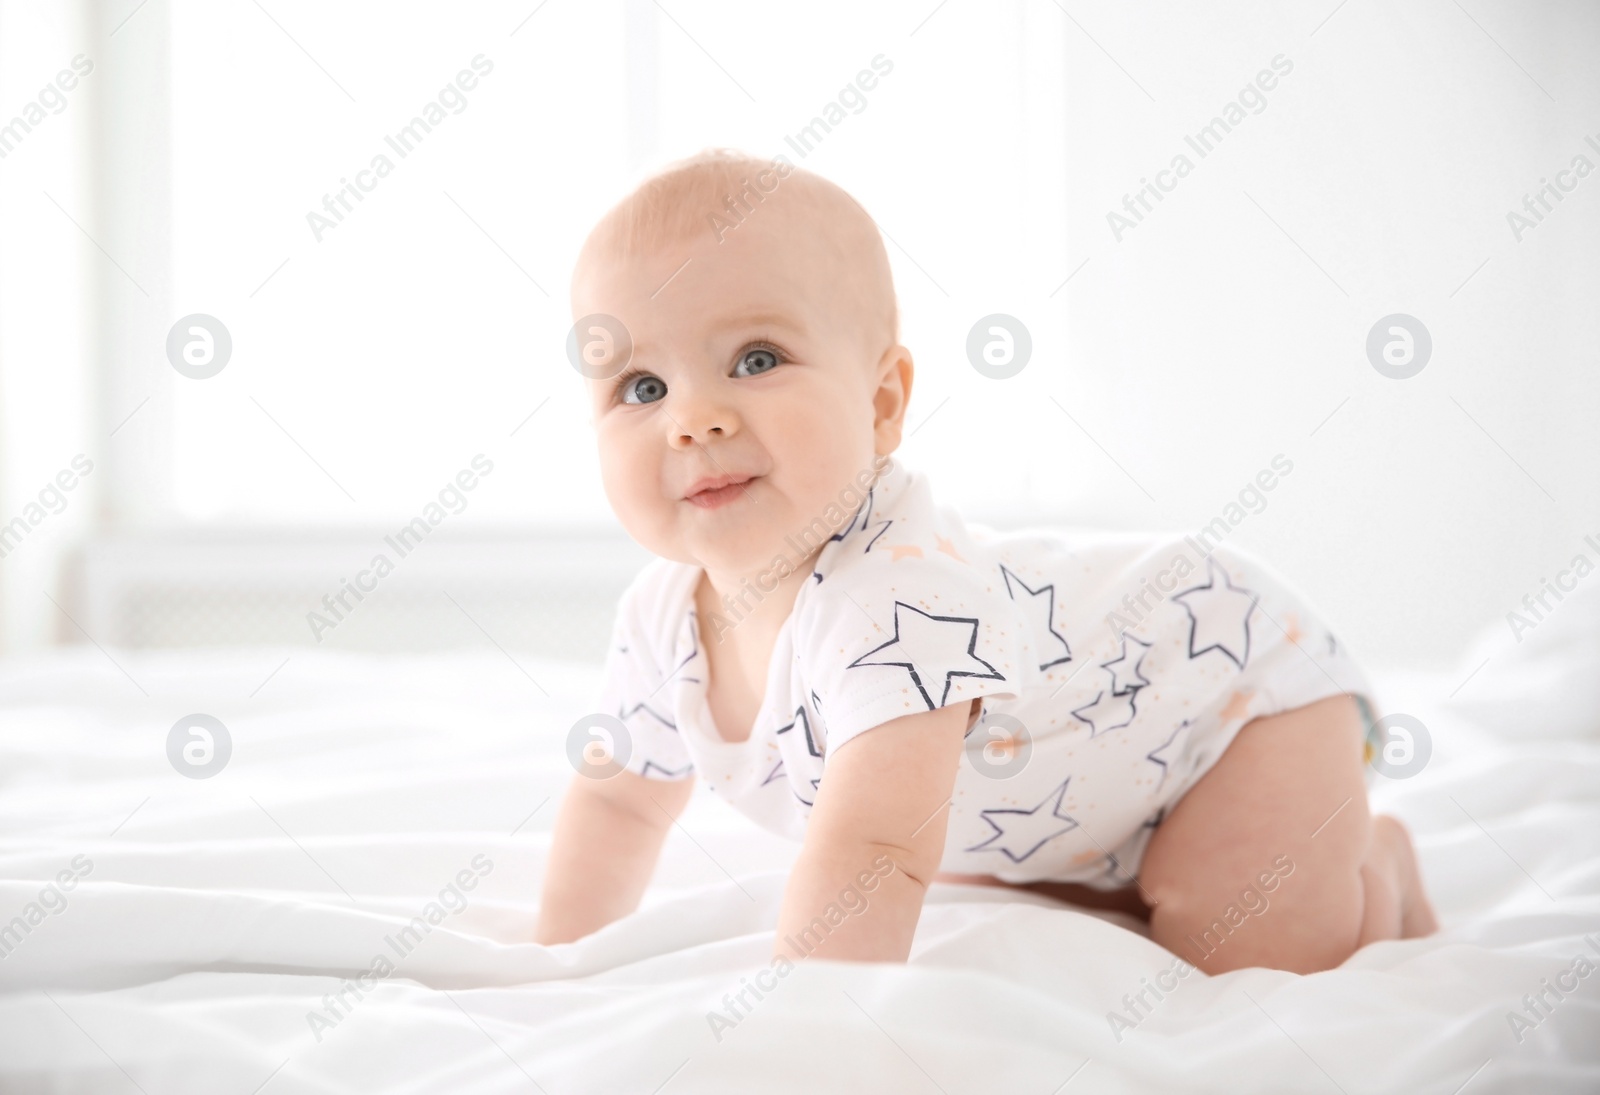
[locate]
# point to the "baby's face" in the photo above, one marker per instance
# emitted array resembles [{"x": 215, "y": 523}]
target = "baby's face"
[{"x": 750, "y": 360}]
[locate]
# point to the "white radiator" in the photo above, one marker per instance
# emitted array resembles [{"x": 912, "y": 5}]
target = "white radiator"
[{"x": 547, "y": 593}]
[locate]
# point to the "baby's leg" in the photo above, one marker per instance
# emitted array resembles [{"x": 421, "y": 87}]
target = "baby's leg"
[{"x": 1272, "y": 858}]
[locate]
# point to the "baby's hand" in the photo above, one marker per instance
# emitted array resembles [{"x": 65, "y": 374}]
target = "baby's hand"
[{"x": 874, "y": 840}]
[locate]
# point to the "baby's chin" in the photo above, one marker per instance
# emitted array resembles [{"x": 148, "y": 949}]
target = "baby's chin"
[
  {"x": 746, "y": 554},
  {"x": 742, "y": 559}
]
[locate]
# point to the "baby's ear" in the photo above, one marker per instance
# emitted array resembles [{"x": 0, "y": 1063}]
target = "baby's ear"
[{"x": 895, "y": 374}]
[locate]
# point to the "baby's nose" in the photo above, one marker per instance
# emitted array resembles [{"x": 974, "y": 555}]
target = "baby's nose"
[{"x": 702, "y": 415}]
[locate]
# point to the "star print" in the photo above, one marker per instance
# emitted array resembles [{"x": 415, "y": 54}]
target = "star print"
[
  {"x": 774, "y": 774},
  {"x": 1125, "y": 677},
  {"x": 1026, "y": 829},
  {"x": 813, "y": 799},
  {"x": 943, "y": 646},
  {"x": 883, "y": 529},
  {"x": 947, "y": 547},
  {"x": 666, "y": 773},
  {"x": 802, "y": 720},
  {"x": 1042, "y": 604},
  {"x": 902, "y": 551},
  {"x": 1155, "y": 757},
  {"x": 862, "y": 520},
  {"x": 1293, "y": 632},
  {"x": 1114, "y": 867},
  {"x": 625, "y": 714},
  {"x": 1107, "y": 712},
  {"x": 1219, "y": 617},
  {"x": 1238, "y": 706},
  {"x": 694, "y": 648},
  {"x": 1155, "y": 822}
]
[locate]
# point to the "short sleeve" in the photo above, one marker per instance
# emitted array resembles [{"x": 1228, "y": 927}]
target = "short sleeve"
[
  {"x": 633, "y": 688},
  {"x": 897, "y": 634}
]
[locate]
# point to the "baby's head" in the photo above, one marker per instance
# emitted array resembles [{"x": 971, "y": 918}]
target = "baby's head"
[{"x": 764, "y": 335}]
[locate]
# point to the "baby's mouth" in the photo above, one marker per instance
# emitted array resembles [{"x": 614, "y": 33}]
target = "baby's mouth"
[{"x": 712, "y": 493}]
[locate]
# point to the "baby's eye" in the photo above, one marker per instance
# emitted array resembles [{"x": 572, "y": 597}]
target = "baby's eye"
[
  {"x": 640, "y": 387},
  {"x": 648, "y": 388},
  {"x": 761, "y": 360}
]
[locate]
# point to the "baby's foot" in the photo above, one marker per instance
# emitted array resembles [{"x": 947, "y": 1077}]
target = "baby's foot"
[{"x": 1416, "y": 911}]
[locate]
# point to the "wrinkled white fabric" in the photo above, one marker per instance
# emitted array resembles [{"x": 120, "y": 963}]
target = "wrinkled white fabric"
[{"x": 220, "y": 913}]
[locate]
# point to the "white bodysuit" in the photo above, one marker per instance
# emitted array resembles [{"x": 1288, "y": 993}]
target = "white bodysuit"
[{"x": 1114, "y": 669}]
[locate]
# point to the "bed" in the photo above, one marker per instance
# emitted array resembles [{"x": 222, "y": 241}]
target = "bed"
[{"x": 343, "y": 907}]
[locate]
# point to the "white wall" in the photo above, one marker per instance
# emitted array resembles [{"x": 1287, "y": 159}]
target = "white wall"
[
  {"x": 47, "y": 288},
  {"x": 1224, "y": 329},
  {"x": 1208, "y": 339}
]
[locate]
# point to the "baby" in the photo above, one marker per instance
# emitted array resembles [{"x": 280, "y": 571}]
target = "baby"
[{"x": 1125, "y": 720}]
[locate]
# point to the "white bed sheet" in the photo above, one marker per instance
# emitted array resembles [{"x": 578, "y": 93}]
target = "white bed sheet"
[{"x": 219, "y": 912}]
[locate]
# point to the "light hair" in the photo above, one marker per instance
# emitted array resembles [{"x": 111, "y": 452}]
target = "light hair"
[{"x": 682, "y": 200}]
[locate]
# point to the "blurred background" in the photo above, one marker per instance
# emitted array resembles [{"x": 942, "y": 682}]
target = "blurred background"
[{"x": 163, "y": 159}]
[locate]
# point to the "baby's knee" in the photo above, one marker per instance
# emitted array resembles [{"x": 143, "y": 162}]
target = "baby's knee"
[{"x": 1303, "y": 917}]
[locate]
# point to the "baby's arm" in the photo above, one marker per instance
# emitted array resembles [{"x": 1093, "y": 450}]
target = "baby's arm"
[
  {"x": 881, "y": 810},
  {"x": 607, "y": 839}
]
